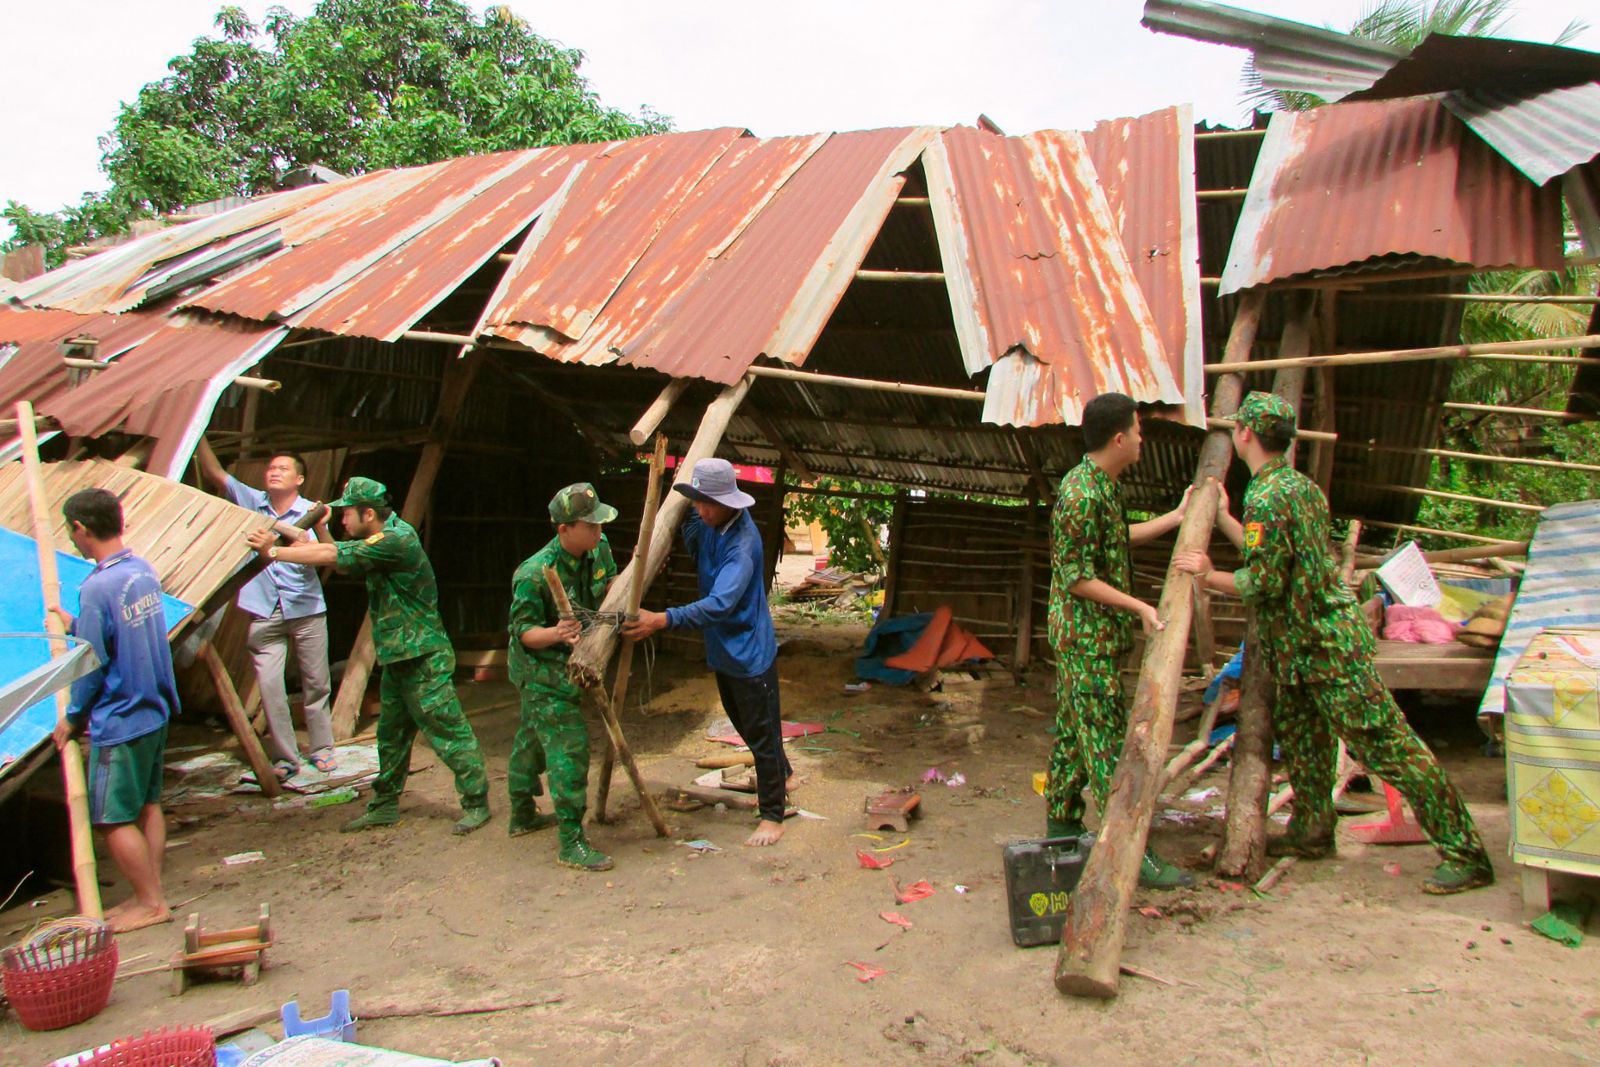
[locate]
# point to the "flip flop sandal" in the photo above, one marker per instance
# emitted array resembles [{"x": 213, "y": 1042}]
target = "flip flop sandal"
[
  {"x": 324, "y": 762},
  {"x": 284, "y": 770}
]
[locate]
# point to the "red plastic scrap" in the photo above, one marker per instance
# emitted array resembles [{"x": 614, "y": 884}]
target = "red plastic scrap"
[
  {"x": 896, "y": 918},
  {"x": 873, "y": 863},
  {"x": 912, "y": 893},
  {"x": 867, "y": 973},
  {"x": 1149, "y": 912}
]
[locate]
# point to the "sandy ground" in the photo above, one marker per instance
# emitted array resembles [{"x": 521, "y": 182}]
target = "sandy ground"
[{"x": 740, "y": 956}]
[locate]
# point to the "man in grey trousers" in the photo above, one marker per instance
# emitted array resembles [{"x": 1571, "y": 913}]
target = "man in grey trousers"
[{"x": 286, "y": 606}]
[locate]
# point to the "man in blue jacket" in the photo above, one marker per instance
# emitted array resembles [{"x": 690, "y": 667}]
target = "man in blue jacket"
[
  {"x": 125, "y": 702},
  {"x": 733, "y": 617}
]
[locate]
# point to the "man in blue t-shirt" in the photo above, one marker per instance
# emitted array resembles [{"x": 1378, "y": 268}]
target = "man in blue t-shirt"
[
  {"x": 125, "y": 702},
  {"x": 733, "y": 617}
]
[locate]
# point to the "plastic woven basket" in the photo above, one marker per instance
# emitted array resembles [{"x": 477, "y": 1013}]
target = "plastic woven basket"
[
  {"x": 191, "y": 1046},
  {"x": 63, "y": 981}
]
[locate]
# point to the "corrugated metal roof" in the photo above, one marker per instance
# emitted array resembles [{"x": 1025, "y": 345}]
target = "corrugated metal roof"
[
  {"x": 1444, "y": 63},
  {"x": 163, "y": 376},
  {"x": 1543, "y": 134},
  {"x": 1290, "y": 56},
  {"x": 1146, "y": 166},
  {"x": 1341, "y": 186},
  {"x": 1041, "y": 284}
]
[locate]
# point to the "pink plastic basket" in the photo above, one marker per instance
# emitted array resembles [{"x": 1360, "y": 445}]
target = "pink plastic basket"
[{"x": 63, "y": 981}]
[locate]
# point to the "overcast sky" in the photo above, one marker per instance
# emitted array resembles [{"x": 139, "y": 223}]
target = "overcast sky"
[{"x": 774, "y": 67}]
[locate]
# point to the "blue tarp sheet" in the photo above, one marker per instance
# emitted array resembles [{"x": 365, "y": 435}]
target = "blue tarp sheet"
[{"x": 22, "y": 611}]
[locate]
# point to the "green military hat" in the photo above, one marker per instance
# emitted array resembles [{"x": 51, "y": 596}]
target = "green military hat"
[
  {"x": 362, "y": 493},
  {"x": 580, "y": 503},
  {"x": 1267, "y": 413}
]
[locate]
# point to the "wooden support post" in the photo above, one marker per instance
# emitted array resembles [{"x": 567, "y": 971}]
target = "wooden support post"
[
  {"x": 1347, "y": 563},
  {"x": 84, "y": 877},
  {"x": 458, "y": 378},
  {"x": 802, "y": 470},
  {"x": 657, "y": 410},
  {"x": 615, "y": 744},
  {"x": 233, "y": 707},
  {"x": 1320, "y": 464},
  {"x": 587, "y": 665},
  {"x": 891, "y": 574},
  {"x": 1205, "y": 633},
  {"x": 1243, "y": 854},
  {"x": 1097, "y": 912},
  {"x": 1024, "y": 611}
]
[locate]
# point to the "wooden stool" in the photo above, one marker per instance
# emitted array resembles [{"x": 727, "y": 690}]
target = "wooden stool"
[
  {"x": 237, "y": 953},
  {"x": 892, "y": 810}
]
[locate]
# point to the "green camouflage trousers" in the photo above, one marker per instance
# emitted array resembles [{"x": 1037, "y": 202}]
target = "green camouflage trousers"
[
  {"x": 552, "y": 739},
  {"x": 1091, "y": 722},
  {"x": 418, "y": 695},
  {"x": 1307, "y": 721}
]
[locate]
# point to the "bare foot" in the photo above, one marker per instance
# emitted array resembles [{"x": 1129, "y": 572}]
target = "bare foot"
[
  {"x": 767, "y": 833},
  {"x": 117, "y": 909},
  {"x": 137, "y": 916},
  {"x": 794, "y": 781}
]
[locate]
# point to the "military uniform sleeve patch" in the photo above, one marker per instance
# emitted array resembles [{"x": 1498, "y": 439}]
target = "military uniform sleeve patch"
[
  {"x": 374, "y": 539},
  {"x": 1252, "y": 535}
]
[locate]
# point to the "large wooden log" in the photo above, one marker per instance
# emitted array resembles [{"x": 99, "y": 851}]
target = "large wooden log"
[
  {"x": 233, "y": 707},
  {"x": 1097, "y": 912},
  {"x": 1243, "y": 854},
  {"x": 587, "y": 665},
  {"x": 82, "y": 836}
]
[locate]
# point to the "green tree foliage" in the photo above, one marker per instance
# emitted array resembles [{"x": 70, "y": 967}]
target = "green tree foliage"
[
  {"x": 849, "y": 522},
  {"x": 356, "y": 86}
]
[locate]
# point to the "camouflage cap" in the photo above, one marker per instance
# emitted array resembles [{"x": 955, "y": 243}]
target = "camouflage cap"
[
  {"x": 1267, "y": 413},
  {"x": 362, "y": 493},
  {"x": 580, "y": 503}
]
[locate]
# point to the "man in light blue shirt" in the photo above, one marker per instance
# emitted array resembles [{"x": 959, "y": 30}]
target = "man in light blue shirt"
[{"x": 286, "y": 606}]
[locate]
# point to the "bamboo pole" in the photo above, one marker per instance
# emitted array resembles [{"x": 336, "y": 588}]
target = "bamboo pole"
[
  {"x": 619, "y": 743},
  {"x": 657, "y": 410},
  {"x": 1429, "y": 530},
  {"x": 900, "y": 276},
  {"x": 1347, "y": 564},
  {"x": 233, "y": 708},
  {"x": 1478, "y": 457},
  {"x": 870, "y": 385},
  {"x": 267, "y": 385},
  {"x": 587, "y": 664},
  {"x": 619, "y": 685},
  {"x": 1501, "y": 409},
  {"x": 1413, "y": 490},
  {"x": 1097, "y": 911},
  {"x": 1406, "y": 355},
  {"x": 82, "y": 834},
  {"x": 1303, "y": 435}
]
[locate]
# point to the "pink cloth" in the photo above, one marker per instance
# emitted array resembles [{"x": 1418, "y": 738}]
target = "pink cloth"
[{"x": 1420, "y": 625}]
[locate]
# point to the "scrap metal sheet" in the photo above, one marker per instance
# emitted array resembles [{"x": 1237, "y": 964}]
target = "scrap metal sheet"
[
  {"x": 1340, "y": 186},
  {"x": 1039, "y": 278},
  {"x": 608, "y": 219}
]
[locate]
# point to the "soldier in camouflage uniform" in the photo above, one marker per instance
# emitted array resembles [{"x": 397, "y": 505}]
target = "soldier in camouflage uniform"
[
  {"x": 1321, "y": 651},
  {"x": 416, "y": 656},
  {"x": 1091, "y": 621},
  {"x": 553, "y": 737}
]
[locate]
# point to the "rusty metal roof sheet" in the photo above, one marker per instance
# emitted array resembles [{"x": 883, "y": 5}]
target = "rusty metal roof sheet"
[
  {"x": 395, "y": 293},
  {"x": 606, "y": 222},
  {"x": 1348, "y": 185},
  {"x": 1290, "y": 56},
  {"x": 1443, "y": 63},
  {"x": 1543, "y": 134},
  {"x": 1042, "y": 287},
  {"x": 1146, "y": 166},
  {"x": 163, "y": 374}
]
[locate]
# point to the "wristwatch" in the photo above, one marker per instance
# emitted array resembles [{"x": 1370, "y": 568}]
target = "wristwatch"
[{"x": 272, "y": 553}]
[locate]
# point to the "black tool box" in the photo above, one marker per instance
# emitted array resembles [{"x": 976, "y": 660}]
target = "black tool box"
[{"x": 1040, "y": 875}]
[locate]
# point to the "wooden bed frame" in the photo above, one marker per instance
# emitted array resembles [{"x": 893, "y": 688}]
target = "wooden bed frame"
[{"x": 1454, "y": 667}]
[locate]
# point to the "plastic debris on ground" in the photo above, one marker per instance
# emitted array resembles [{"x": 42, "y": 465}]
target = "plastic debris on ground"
[
  {"x": 868, "y": 973},
  {"x": 873, "y": 863},
  {"x": 857, "y": 687},
  {"x": 343, "y": 795},
  {"x": 896, "y": 918},
  {"x": 356, "y": 764},
  {"x": 702, "y": 845},
  {"x": 1563, "y": 923},
  {"x": 239, "y": 858},
  {"x": 804, "y": 814},
  {"x": 912, "y": 893},
  {"x": 1392, "y": 869},
  {"x": 956, "y": 780},
  {"x": 320, "y": 1052},
  {"x": 961, "y": 889},
  {"x": 338, "y": 1024}
]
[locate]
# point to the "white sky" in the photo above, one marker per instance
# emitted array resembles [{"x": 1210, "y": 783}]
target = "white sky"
[{"x": 774, "y": 66}]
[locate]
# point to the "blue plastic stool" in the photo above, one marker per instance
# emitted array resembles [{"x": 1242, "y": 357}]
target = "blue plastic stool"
[{"x": 337, "y": 1025}]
